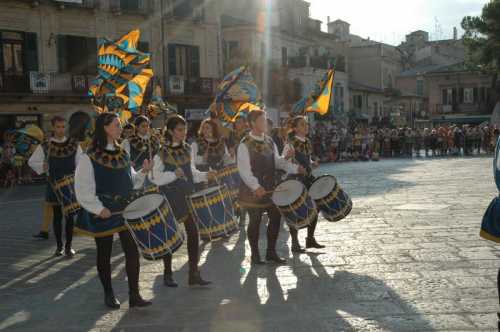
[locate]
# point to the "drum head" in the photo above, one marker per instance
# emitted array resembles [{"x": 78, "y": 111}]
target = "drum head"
[
  {"x": 322, "y": 187},
  {"x": 287, "y": 192},
  {"x": 143, "y": 206},
  {"x": 205, "y": 192}
]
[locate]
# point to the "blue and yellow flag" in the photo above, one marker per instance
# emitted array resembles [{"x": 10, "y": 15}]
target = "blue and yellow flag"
[
  {"x": 237, "y": 89},
  {"x": 124, "y": 73},
  {"x": 320, "y": 97}
]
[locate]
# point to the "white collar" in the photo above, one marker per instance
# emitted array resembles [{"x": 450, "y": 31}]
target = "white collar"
[
  {"x": 58, "y": 140},
  {"x": 300, "y": 138},
  {"x": 174, "y": 144},
  {"x": 145, "y": 137},
  {"x": 110, "y": 147},
  {"x": 258, "y": 138}
]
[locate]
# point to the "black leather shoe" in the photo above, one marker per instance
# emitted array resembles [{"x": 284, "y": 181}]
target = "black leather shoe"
[
  {"x": 110, "y": 301},
  {"x": 69, "y": 252},
  {"x": 59, "y": 252},
  {"x": 168, "y": 280},
  {"x": 272, "y": 256},
  {"x": 257, "y": 261},
  {"x": 311, "y": 243},
  {"x": 296, "y": 248},
  {"x": 42, "y": 235},
  {"x": 138, "y": 301},
  {"x": 195, "y": 279}
]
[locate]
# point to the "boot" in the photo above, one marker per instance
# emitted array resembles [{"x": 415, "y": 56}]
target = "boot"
[
  {"x": 256, "y": 260},
  {"x": 68, "y": 251},
  {"x": 59, "y": 252},
  {"x": 311, "y": 243},
  {"x": 42, "y": 235},
  {"x": 168, "y": 280},
  {"x": 110, "y": 300},
  {"x": 195, "y": 279},
  {"x": 271, "y": 255},
  {"x": 135, "y": 300},
  {"x": 296, "y": 248}
]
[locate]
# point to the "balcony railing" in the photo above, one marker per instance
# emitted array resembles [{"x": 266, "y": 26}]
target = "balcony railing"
[
  {"x": 178, "y": 85},
  {"x": 52, "y": 84},
  {"x": 90, "y": 4},
  {"x": 318, "y": 62},
  {"x": 472, "y": 109},
  {"x": 144, "y": 7}
]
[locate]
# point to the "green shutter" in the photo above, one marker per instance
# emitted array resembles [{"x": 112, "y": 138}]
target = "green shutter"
[
  {"x": 171, "y": 60},
  {"x": 30, "y": 51},
  {"x": 62, "y": 58},
  {"x": 195, "y": 61}
]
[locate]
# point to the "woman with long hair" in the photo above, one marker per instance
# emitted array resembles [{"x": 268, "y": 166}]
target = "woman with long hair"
[
  {"x": 142, "y": 143},
  {"x": 303, "y": 152},
  {"x": 104, "y": 180},
  {"x": 209, "y": 151},
  {"x": 176, "y": 174}
]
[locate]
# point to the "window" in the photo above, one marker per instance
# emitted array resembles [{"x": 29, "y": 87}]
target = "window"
[
  {"x": 186, "y": 9},
  {"x": 357, "y": 101},
  {"x": 232, "y": 48},
  {"x": 12, "y": 52},
  {"x": 420, "y": 87},
  {"x": 77, "y": 55},
  {"x": 482, "y": 94},
  {"x": 184, "y": 60},
  {"x": 468, "y": 96},
  {"x": 131, "y": 5},
  {"x": 284, "y": 56},
  {"x": 449, "y": 96}
]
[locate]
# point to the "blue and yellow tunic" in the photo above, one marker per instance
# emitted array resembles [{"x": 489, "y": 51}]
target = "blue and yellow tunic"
[
  {"x": 303, "y": 152},
  {"x": 216, "y": 152},
  {"x": 61, "y": 162},
  {"x": 114, "y": 185},
  {"x": 262, "y": 164},
  {"x": 178, "y": 192},
  {"x": 141, "y": 149}
]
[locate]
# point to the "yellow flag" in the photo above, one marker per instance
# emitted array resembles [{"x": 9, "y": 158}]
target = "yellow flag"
[{"x": 322, "y": 103}]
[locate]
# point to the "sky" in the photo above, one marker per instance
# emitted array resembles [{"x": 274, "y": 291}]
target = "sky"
[{"x": 390, "y": 20}]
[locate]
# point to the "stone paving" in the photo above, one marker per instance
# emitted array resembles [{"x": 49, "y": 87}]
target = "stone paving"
[{"x": 407, "y": 258}]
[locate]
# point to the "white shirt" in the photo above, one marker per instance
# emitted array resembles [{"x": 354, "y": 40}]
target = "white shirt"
[
  {"x": 198, "y": 159},
  {"x": 245, "y": 169},
  {"x": 85, "y": 186},
  {"x": 37, "y": 159},
  {"x": 160, "y": 177},
  {"x": 289, "y": 147},
  {"x": 126, "y": 142}
]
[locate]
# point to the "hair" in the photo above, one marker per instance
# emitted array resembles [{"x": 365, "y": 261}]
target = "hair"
[
  {"x": 78, "y": 125},
  {"x": 100, "y": 139},
  {"x": 254, "y": 115},
  {"x": 172, "y": 123},
  {"x": 213, "y": 125},
  {"x": 129, "y": 125},
  {"x": 55, "y": 119},
  {"x": 140, "y": 120}
]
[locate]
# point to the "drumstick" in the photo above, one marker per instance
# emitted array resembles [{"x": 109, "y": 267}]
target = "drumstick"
[
  {"x": 151, "y": 158},
  {"x": 176, "y": 164}
]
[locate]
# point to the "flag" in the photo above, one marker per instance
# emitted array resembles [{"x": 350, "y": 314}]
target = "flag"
[
  {"x": 320, "y": 97},
  {"x": 123, "y": 74},
  {"x": 235, "y": 90}
]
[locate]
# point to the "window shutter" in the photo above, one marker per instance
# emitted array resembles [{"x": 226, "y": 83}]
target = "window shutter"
[
  {"x": 30, "y": 51},
  {"x": 171, "y": 60},
  {"x": 195, "y": 61},
  {"x": 475, "y": 93},
  {"x": 461, "y": 95},
  {"x": 62, "y": 58},
  {"x": 445, "y": 97}
]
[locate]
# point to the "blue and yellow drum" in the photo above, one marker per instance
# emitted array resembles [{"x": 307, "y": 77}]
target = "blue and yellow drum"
[
  {"x": 230, "y": 177},
  {"x": 213, "y": 212},
  {"x": 331, "y": 200},
  {"x": 64, "y": 189},
  {"x": 295, "y": 205},
  {"x": 153, "y": 226}
]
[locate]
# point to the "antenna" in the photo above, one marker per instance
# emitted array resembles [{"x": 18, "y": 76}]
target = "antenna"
[{"x": 438, "y": 29}]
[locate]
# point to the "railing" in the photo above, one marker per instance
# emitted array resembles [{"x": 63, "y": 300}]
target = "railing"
[
  {"x": 177, "y": 85},
  {"x": 144, "y": 7},
  {"x": 91, "y": 4},
  {"x": 477, "y": 108},
  {"x": 38, "y": 83},
  {"x": 318, "y": 62}
]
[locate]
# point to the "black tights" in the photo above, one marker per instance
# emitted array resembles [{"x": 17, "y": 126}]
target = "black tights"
[
  {"x": 57, "y": 222},
  {"x": 273, "y": 228},
  {"x": 193, "y": 247},
  {"x": 310, "y": 231},
  {"x": 104, "y": 248}
]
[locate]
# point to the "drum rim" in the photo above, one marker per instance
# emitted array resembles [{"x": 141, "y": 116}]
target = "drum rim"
[
  {"x": 143, "y": 212},
  {"x": 294, "y": 200},
  {"x": 206, "y": 191},
  {"x": 311, "y": 192}
]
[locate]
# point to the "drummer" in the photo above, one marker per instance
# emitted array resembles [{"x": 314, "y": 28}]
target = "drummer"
[
  {"x": 258, "y": 160},
  {"x": 104, "y": 179},
  {"x": 58, "y": 158},
  {"x": 302, "y": 148},
  {"x": 240, "y": 129},
  {"x": 209, "y": 151},
  {"x": 141, "y": 145},
  {"x": 175, "y": 173}
]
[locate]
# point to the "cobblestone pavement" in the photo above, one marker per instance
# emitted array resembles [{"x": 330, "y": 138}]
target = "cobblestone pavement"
[{"x": 407, "y": 258}]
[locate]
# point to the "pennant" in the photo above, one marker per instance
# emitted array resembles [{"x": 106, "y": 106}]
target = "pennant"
[{"x": 320, "y": 97}]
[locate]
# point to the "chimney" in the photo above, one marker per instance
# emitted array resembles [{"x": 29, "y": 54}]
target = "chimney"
[
  {"x": 455, "y": 33},
  {"x": 328, "y": 19}
]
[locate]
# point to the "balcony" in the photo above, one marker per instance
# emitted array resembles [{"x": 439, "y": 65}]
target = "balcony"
[
  {"x": 469, "y": 109},
  {"x": 317, "y": 62},
  {"x": 178, "y": 85},
  {"x": 45, "y": 84},
  {"x": 88, "y": 4},
  {"x": 139, "y": 7}
]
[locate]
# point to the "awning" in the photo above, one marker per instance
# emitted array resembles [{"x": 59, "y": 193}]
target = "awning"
[{"x": 464, "y": 119}]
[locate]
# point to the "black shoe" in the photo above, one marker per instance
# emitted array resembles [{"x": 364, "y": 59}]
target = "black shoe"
[
  {"x": 195, "y": 279},
  {"x": 59, "y": 252},
  {"x": 138, "y": 301},
  {"x": 273, "y": 256},
  {"x": 296, "y": 248},
  {"x": 168, "y": 280},
  {"x": 110, "y": 301},
  {"x": 311, "y": 243},
  {"x": 69, "y": 252},
  {"x": 257, "y": 261},
  {"x": 42, "y": 235}
]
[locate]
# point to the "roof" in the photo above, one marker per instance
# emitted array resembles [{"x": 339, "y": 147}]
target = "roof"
[
  {"x": 364, "y": 87},
  {"x": 455, "y": 68},
  {"x": 230, "y": 21},
  {"x": 339, "y": 21},
  {"x": 421, "y": 70}
]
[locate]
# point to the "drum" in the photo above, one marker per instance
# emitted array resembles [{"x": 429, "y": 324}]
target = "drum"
[
  {"x": 64, "y": 189},
  {"x": 294, "y": 203},
  {"x": 230, "y": 177},
  {"x": 331, "y": 200},
  {"x": 153, "y": 226},
  {"x": 213, "y": 212}
]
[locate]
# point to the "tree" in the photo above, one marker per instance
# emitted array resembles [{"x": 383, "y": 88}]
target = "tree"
[{"x": 482, "y": 39}]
